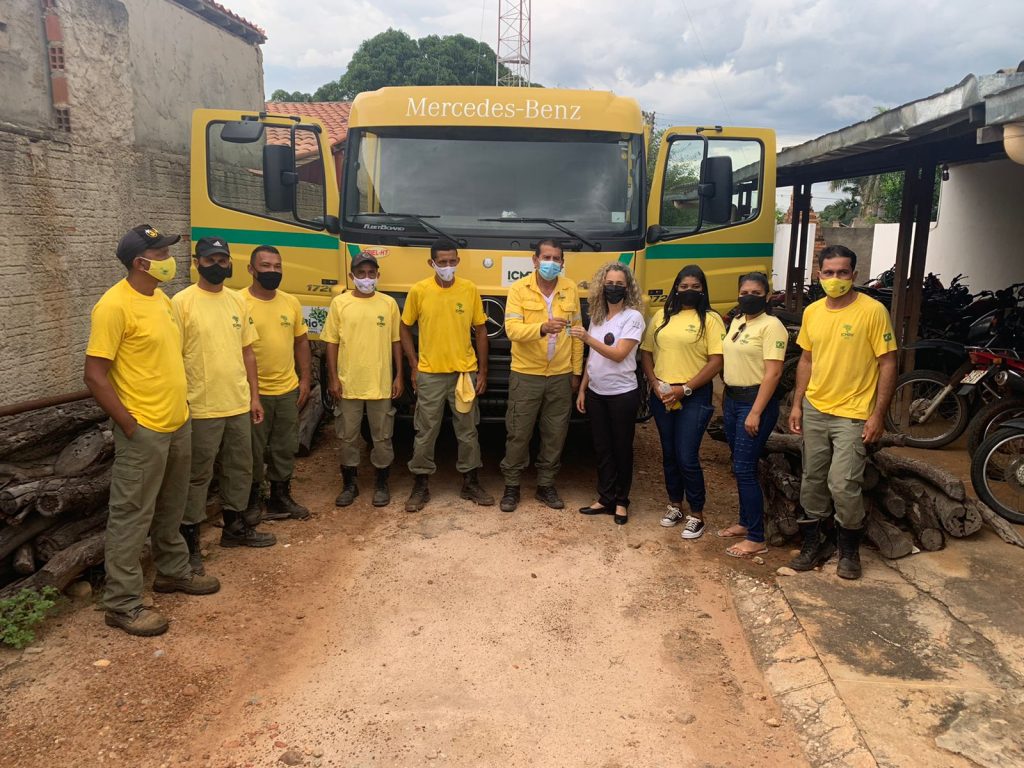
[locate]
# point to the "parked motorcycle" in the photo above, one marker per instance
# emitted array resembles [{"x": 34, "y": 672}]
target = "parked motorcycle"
[{"x": 997, "y": 471}]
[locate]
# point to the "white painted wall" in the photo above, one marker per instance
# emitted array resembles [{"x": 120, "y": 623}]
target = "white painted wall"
[
  {"x": 780, "y": 256},
  {"x": 980, "y": 231}
]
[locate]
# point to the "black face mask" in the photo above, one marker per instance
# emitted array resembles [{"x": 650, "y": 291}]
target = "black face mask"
[
  {"x": 690, "y": 299},
  {"x": 215, "y": 273},
  {"x": 613, "y": 294},
  {"x": 269, "y": 280},
  {"x": 751, "y": 304}
]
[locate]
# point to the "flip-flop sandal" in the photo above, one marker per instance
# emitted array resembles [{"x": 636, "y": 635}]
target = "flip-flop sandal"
[
  {"x": 723, "y": 535},
  {"x": 744, "y": 555}
]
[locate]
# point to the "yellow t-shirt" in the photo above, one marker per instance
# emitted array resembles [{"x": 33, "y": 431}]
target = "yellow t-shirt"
[
  {"x": 278, "y": 322},
  {"x": 364, "y": 330},
  {"x": 763, "y": 338},
  {"x": 215, "y": 328},
  {"x": 446, "y": 317},
  {"x": 140, "y": 335},
  {"x": 679, "y": 350},
  {"x": 845, "y": 345}
]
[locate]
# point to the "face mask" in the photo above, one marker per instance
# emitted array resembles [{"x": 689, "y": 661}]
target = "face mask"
[
  {"x": 365, "y": 284},
  {"x": 751, "y": 304},
  {"x": 836, "y": 287},
  {"x": 446, "y": 274},
  {"x": 549, "y": 270},
  {"x": 162, "y": 270},
  {"x": 268, "y": 280},
  {"x": 613, "y": 294},
  {"x": 215, "y": 273},
  {"x": 690, "y": 299}
]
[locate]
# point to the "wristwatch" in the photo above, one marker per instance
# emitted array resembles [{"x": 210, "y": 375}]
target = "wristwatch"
[{"x": 686, "y": 390}]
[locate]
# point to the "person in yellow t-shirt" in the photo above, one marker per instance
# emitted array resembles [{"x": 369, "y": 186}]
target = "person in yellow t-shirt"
[
  {"x": 547, "y": 364},
  {"x": 681, "y": 353},
  {"x": 282, "y": 346},
  {"x": 364, "y": 356},
  {"x": 223, "y": 392},
  {"x": 844, "y": 383},
  {"x": 446, "y": 309},
  {"x": 134, "y": 370},
  {"x": 754, "y": 348}
]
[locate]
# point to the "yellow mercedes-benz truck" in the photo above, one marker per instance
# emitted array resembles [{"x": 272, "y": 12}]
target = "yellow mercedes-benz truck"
[{"x": 495, "y": 170}]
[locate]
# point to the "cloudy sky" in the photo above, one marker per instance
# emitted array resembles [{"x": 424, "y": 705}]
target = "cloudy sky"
[{"x": 804, "y": 67}]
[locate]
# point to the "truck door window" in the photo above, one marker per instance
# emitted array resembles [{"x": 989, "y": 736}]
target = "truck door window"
[{"x": 235, "y": 174}]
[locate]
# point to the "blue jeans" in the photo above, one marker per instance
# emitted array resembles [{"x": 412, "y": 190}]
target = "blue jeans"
[
  {"x": 745, "y": 452},
  {"x": 681, "y": 432}
]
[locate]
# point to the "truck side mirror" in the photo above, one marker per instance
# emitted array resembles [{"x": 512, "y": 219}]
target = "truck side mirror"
[
  {"x": 242, "y": 131},
  {"x": 716, "y": 190},
  {"x": 279, "y": 178}
]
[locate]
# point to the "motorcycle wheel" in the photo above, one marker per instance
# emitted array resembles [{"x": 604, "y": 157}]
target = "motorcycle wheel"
[
  {"x": 915, "y": 392},
  {"x": 990, "y": 418},
  {"x": 997, "y": 473}
]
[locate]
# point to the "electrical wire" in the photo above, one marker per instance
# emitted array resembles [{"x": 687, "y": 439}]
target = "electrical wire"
[
  {"x": 700, "y": 45},
  {"x": 480, "y": 42}
]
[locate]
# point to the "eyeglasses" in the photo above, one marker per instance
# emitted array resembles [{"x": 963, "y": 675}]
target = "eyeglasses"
[{"x": 741, "y": 329}]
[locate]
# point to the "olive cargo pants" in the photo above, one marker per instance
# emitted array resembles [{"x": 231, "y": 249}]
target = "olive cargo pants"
[
  {"x": 228, "y": 439},
  {"x": 433, "y": 390},
  {"x": 380, "y": 415},
  {"x": 275, "y": 440},
  {"x": 834, "y": 456},
  {"x": 532, "y": 398}
]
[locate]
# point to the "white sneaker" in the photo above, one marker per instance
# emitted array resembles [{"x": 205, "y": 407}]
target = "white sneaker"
[
  {"x": 693, "y": 529},
  {"x": 673, "y": 516}
]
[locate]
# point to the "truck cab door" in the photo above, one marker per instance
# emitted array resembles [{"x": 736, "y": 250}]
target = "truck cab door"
[
  {"x": 712, "y": 203},
  {"x": 261, "y": 179}
]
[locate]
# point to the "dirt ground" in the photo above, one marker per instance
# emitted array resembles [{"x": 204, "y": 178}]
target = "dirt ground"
[{"x": 457, "y": 636}]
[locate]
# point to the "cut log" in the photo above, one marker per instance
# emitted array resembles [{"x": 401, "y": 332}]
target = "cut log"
[
  {"x": 64, "y": 535},
  {"x": 81, "y": 495},
  {"x": 900, "y": 466},
  {"x": 309, "y": 420},
  {"x": 778, "y": 442},
  {"x": 63, "y": 568},
  {"x": 13, "y": 536},
  {"x": 34, "y": 435},
  {"x": 891, "y": 502},
  {"x": 892, "y": 543},
  {"x": 90, "y": 448},
  {"x": 957, "y": 518},
  {"x": 926, "y": 527},
  {"x": 872, "y": 477},
  {"x": 15, "y": 474},
  {"x": 1003, "y": 528},
  {"x": 25, "y": 559},
  {"x": 17, "y": 500}
]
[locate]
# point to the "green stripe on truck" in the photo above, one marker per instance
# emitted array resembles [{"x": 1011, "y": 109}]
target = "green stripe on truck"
[{"x": 264, "y": 237}]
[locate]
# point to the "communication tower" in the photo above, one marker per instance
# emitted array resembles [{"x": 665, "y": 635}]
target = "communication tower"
[{"x": 513, "y": 43}]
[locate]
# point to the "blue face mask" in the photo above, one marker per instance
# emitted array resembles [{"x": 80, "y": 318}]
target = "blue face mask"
[{"x": 549, "y": 270}]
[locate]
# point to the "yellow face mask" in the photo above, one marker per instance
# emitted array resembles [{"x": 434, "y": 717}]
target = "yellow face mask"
[
  {"x": 835, "y": 287},
  {"x": 162, "y": 270}
]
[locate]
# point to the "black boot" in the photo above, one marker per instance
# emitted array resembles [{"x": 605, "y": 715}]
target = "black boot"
[
  {"x": 381, "y": 492},
  {"x": 849, "y": 553},
  {"x": 550, "y": 497},
  {"x": 816, "y": 549},
  {"x": 349, "y": 489},
  {"x": 237, "y": 533},
  {"x": 195, "y": 556},
  {"x": 472, "y": 490},
  {"x": 281, "y": 505},
  {"x": 509, "y": 499},
  {"x": 420, "y": 494},
  {"x": 254, "y": 509}
]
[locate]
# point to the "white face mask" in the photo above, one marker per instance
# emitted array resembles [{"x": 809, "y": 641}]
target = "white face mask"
[
  {"x": 365, "y": 284},
  {"x": 446, "y": 274}
]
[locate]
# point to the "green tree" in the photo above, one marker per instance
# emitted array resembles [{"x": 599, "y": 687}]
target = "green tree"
[{"x": 296, "y": 96}]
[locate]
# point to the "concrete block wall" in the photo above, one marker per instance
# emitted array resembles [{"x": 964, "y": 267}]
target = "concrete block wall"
[{"x": 68, "y": 197}]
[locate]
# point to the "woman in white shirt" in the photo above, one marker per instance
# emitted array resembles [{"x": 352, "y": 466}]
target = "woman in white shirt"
[{"x": 609, "y": 391}]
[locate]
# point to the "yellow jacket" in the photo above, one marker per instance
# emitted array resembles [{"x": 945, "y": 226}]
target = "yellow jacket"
[{"x": 525, "y": 310}]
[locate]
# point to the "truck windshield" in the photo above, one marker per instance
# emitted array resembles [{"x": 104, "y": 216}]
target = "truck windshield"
[{"x": 461, "y": 175}]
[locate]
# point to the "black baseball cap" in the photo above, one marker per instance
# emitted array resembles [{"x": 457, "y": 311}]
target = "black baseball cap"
[
  {"x": 210, "y": 246},
  {"x": 142, "y": 238},
  {"x": 364, "y": 258}
]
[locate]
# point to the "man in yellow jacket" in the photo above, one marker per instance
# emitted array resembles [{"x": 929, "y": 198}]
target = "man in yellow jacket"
[{"x": 546, "y": 367}]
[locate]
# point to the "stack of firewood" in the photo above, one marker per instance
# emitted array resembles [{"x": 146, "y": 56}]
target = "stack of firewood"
[
  {"x": 54, "y": 485},
  {"x": 911, "y": 504}
]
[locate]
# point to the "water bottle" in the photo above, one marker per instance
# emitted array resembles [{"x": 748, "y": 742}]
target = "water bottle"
[{"x": 663, "y": 389}]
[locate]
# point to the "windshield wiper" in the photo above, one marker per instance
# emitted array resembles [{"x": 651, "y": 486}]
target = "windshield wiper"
[
  {"x": 556, "y": 223},
  {"x": 418, "y": 217}
]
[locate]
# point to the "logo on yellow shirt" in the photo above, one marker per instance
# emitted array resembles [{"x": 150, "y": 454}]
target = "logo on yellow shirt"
[
  {"x": 887, "y": 336},
  {"x": 459, "y": 310},
  {"x": 847, "y": 332},
  {"x": 693, "y": 329},
  {"x": 780, "y": 344},
  {"x": 380, "y": 321},
  {"x": 284, "y": 320},
  {"x": 235, "y": 322}
]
